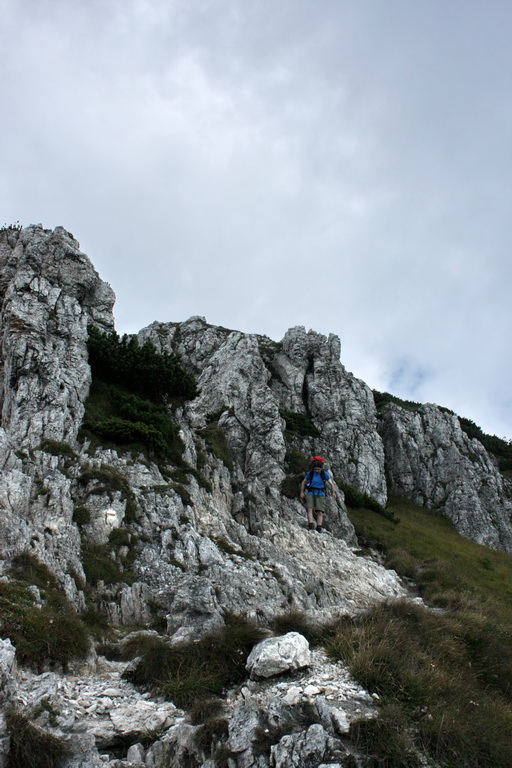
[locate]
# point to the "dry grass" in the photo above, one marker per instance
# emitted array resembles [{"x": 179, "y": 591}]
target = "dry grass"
[{"x": 444, "y": 676}]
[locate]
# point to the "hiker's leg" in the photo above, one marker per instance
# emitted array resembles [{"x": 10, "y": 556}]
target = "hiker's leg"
[
  {"x": 310, "y": 503},
  {"x": 320, "y": 506}
]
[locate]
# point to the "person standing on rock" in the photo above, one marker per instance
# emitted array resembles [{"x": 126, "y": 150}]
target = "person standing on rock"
[{"x": 313, "y": 489}]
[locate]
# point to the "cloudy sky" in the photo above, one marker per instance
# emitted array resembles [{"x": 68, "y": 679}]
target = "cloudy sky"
[{"x": 340, "y": 164}]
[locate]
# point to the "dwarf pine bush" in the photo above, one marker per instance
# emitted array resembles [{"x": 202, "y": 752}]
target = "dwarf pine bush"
[{"x": 140, "y": 369}]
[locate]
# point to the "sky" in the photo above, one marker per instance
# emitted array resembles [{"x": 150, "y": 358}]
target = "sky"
[{"x": 343, "y": 165}]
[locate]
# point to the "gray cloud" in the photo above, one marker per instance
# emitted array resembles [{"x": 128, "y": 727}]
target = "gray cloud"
[{"x": 338, "y": 165}]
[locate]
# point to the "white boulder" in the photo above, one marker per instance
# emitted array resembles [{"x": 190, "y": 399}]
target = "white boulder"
[{"x": 279, "y": 654}]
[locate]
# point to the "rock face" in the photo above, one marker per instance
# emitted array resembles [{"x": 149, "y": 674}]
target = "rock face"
[
  {"x": 223, "y": 532},
  {"x": 49, "y": 293},
  {"x": 255, "y": 379},
  {"x": 432, "y": 461}
]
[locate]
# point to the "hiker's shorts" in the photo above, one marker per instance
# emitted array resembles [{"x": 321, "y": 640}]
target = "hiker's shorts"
[{"x": 315, "y": 501}]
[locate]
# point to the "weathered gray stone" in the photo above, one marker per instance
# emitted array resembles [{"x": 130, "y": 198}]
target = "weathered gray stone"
[
  {"x": 279, "y": 654},
  {"x": 306, "y": 749},
  {"x": 432, "y": 461}
]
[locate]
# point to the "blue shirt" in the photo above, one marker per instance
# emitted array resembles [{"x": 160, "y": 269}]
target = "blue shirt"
[{"x": 316, "y": 486}]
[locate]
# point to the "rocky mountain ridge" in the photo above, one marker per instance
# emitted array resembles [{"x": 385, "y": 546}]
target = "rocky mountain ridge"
[{"x": 229, "y": 534}]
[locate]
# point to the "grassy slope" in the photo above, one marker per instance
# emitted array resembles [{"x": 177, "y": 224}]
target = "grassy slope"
[
  {"x": 444, "y": 677},
  {"x": 425, "y": 547}
]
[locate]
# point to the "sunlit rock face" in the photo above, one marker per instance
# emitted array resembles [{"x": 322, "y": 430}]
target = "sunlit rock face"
[
  {"x": 49, "y": 293},
  {"x": 255, "y": 379},
  {"x": 430, "y": 460}
]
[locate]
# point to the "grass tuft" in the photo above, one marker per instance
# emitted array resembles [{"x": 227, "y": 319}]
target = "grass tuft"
[
  {"x": 31, "y": 747},
  {"x": 51, "y": 632},
  {"x": 194, "y": 671}
]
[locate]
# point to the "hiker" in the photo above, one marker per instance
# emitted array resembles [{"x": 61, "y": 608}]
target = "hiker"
[{"x": 313, "y": 490}]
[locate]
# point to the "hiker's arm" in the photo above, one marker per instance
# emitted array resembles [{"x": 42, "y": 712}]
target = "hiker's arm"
[
  {"x": 302, "y": 487},
  {"x": 333, "y": 489}
]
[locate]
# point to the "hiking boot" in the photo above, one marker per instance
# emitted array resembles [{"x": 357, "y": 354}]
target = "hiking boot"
[
  {"x": 320, "y": 529},
  {"x": 312, "y": 526}
]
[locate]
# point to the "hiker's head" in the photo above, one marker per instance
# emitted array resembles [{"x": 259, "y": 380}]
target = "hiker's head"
[{"x": 317, "y": 465}]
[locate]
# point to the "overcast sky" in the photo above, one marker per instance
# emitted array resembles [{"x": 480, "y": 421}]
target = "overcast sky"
[{"x": 344, "y": 165}]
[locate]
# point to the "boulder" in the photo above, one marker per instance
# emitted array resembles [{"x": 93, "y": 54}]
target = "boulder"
[{"x": 279, "y": 654}]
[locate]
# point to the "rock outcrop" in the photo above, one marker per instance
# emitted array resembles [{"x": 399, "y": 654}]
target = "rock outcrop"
[{"x": 430, "y": 460}]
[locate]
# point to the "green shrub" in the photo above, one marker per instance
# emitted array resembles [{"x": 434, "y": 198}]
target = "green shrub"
[
  {"x": 299, "y": 424},
  {"x": 140, "y": 369},
  {"x": 31, "y": 747},
  {"x": 51, "y": 633},
  {"x": 290, "y": 487},
  {"x": 57, "y": 448},
  {"x": 358, "y": 500},
  {"x": 295, "y": 462},
  {"x": 81, "y": 516},
  {"x": 216, "y": 441},
  {"x": 130, "y": 422},
  {"x": 99, "y": 565},
  {"x": 189, "y": 672}
]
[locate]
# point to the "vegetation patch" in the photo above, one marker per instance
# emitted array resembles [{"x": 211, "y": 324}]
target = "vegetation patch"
[
  {"x": 212, "y": 733},
  {"x": 81, "y": 516},
  {"x": 31, "y": 747},
  {"x": 139, "y": 369},
  {"x": 99, "y": 565},
  {"x": 296, "y": 465},
  {"x": 297, "y": 621},
  {"x": 193, "y": 671},
  {"x": 297, "y": 718},
  {"x": 117, "y": 418},
  {"x": 296, "y": 462},
  {"x": 444, "y": 677},
  {"x": 51, "y": 632},
  {"x": 357, "y": 500},
  {"x": 128, "y": 403},
  {"x": 58, "y": 448},
  {"x": 300, "y": 424},
  {"x": 110, "y": 481},
  {"x": 182, "y": 475},
  {"x": 384, "y": 398},
  {"x": 216, "y": 441}
]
